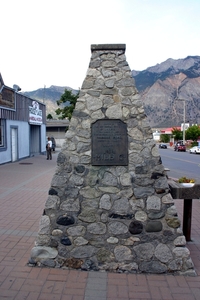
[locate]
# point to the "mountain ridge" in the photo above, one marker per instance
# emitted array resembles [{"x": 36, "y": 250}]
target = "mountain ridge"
[
  {"x": 158, "y": 86},
  {"x": 161, "y": 84},
  {"x": 189, "y": 66},
  {"x": 49, "y": 96}
]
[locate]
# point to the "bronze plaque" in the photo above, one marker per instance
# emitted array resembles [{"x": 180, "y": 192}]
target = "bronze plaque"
[{"x": 109, "y": 143}]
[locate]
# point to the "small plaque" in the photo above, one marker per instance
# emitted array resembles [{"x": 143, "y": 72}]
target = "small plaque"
[{"x": 109, "y": 143}]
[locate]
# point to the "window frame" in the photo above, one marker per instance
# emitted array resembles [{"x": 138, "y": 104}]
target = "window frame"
[{"x": 2, "y": 134}]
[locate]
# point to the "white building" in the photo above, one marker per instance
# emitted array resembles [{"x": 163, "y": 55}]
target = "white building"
[
  {"x": 156, "y": 136},
  {"x": 22, "y": 125}
]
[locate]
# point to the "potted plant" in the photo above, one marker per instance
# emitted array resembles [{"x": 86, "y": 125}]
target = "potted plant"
[{"x": 187, "y": 182}]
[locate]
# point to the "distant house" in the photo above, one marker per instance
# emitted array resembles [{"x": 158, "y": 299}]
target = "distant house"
[
  {"x": 22, "y": 125},
  {"x": 169, "y": 130},
  {"x": 57, "y": 129},
  {"x": 158, "y": 132}
]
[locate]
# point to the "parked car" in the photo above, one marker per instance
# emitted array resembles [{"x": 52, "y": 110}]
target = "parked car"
[
  {"x": 180, "y": 147},
  {"x": 53, "y": 143},
  {"x": 195, "y": 149},
  {"x": 163, "y": 146}
]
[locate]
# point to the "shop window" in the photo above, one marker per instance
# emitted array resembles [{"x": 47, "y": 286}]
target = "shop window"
[{"x": 2, "y": 133}]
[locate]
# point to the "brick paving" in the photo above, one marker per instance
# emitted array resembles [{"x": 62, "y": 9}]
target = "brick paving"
[{"x": 23, "y": 191}]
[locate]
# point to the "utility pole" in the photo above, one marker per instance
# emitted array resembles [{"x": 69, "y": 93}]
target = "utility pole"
[
  {"x": 178, "y": 99},
  {"x": 44, "y": 93},
  {"x": 183, "y": 121}
]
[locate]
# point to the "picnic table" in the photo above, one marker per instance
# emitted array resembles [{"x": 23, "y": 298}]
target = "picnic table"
[{"x": 187, "y": 194}]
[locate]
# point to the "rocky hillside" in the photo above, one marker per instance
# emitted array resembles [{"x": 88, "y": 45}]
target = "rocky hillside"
[
  {"x": 159, "y": 86},
  {"x": 49, "y": 96}
]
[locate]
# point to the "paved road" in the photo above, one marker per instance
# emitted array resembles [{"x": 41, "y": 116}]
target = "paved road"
[
  {"x": 181, "y": 163},
  {"x": 23, "y": 191}
]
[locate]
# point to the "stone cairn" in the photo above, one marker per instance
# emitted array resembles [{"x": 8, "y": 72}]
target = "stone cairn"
[{"x": 109, "y": 206}]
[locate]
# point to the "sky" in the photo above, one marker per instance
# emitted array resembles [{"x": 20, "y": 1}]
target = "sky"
[{"x": 46, "y": 42}]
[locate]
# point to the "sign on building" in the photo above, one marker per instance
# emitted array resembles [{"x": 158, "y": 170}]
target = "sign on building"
[{"x": 35, "y": 114}]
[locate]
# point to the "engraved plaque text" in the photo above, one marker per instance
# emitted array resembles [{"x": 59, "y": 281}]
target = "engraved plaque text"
[{"x": 109, "y": 143}]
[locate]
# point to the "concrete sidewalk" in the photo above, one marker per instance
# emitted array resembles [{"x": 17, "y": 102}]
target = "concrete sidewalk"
[{"x": 24, "y": 188}]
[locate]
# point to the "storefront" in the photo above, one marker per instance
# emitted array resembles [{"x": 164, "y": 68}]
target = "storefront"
[{"x": 22, "y": 125}]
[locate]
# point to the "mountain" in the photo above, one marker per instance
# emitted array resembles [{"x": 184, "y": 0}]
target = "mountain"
[
  {"x": 161, "y": 84},
  {"x": 49, "y": 96}
]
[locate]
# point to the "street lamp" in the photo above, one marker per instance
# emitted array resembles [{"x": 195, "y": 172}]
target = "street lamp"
[{"x": 178, "y": 99}]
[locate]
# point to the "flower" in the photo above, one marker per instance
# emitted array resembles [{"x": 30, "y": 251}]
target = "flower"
[{"x": 186, "y": 180}]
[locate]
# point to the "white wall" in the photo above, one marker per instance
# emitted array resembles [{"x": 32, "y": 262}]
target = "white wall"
[
  {"x": 23, "y": 138},
  {"x": 43, "y": 138},
  {"x": 59, "y": 142},
  {"x": 22, "y": 141},
  {"x": 156, "y": 136}
]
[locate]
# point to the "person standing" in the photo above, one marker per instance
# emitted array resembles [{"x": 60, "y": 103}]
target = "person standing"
[{"x": 49, "y": 148}]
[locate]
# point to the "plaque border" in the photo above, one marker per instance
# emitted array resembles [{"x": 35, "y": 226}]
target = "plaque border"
[{"x": 125, "y": 162}]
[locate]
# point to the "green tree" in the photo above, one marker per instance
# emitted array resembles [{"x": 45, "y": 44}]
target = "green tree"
[
  {"x": 49, "y": 117},
  {"x": 70, "y": 100},
  {"x": 177, "y": 133},
  {"x": 192, "y": 133},
  {"x": 164, "y": 138}
]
